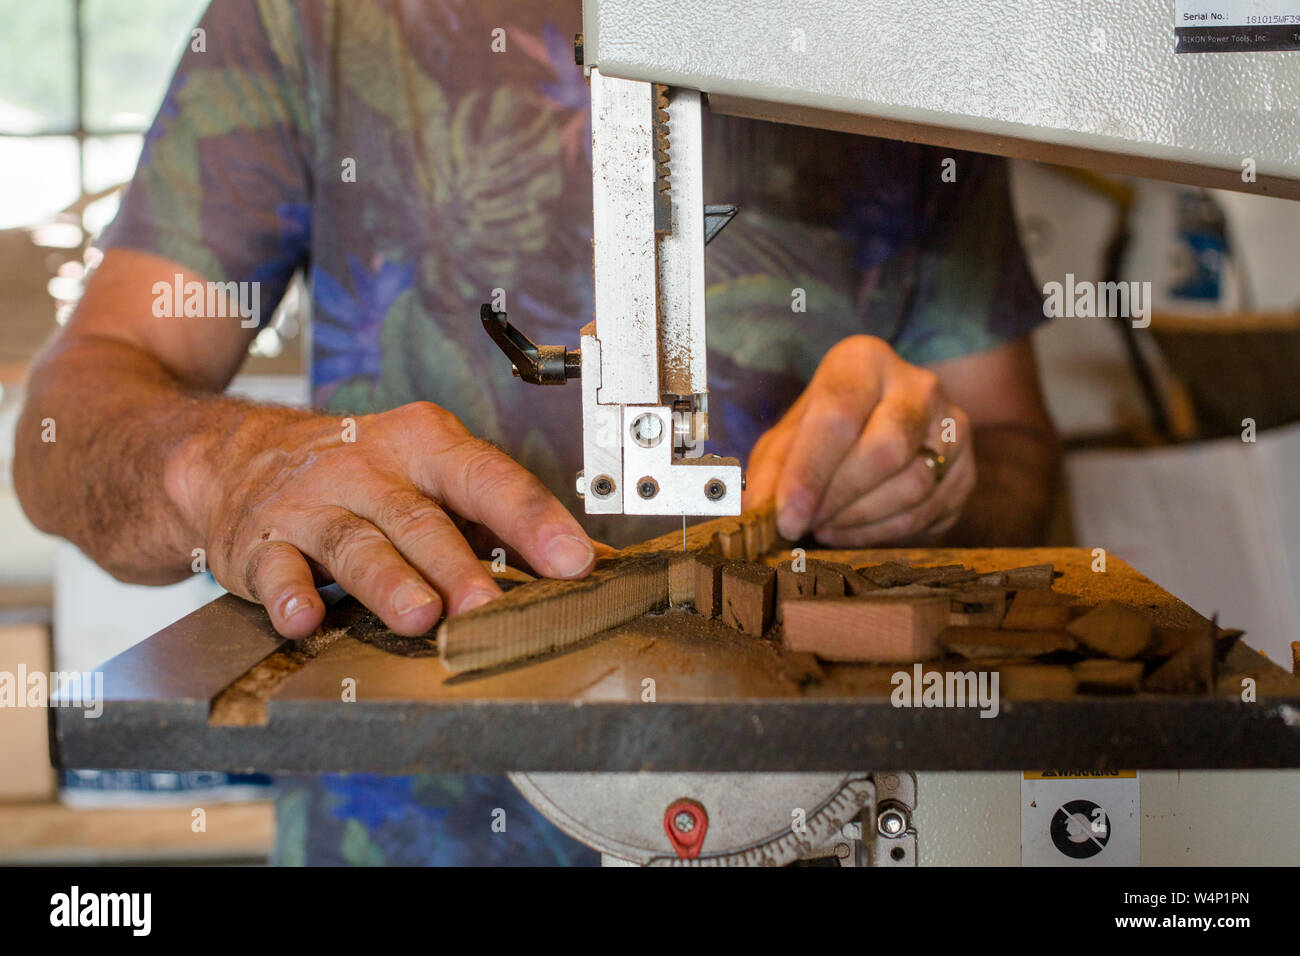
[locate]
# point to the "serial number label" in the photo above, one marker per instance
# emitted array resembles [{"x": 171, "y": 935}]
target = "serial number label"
[{"x": 1236, "y": 26}]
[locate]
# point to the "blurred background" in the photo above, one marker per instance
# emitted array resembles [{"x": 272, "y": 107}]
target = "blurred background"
[{"x": 1157, "y": 471}]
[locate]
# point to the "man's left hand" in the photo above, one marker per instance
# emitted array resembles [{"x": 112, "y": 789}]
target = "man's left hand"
[{"x": 852, "y": 461}]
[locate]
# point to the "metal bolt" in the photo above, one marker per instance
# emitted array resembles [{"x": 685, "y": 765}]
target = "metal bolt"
[
  {"x": 577, "y": 49},
  {"x": 714, "y": 489},
  {"x": 647, "y": 429},
  {"x": 602, "y": 486},
  {"x": 892, "y": 822},
  {"x": 684, "y": 822},
  {"x": 647, "y": 487}
]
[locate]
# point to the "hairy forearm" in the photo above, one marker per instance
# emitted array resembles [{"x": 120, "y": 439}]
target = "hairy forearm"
[
  {"x": 103, "y": 427},
  {"x": 1018, "y": 468}
]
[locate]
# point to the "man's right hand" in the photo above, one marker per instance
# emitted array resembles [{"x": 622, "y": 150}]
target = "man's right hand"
[{"x": 377, "y": 504}]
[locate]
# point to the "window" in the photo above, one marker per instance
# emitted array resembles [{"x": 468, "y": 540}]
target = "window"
[{"x": 80, "y": 81}]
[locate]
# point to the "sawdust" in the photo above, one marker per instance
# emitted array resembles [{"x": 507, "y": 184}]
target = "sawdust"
[{"x": 244, "y": 703}]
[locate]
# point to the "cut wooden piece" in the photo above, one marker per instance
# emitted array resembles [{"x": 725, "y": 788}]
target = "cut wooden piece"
[
  {"x": 854, "y": 583},
  {"x": 681, "y": 578},
  {"x": 1167, "y": 641},
  {"x": 1113, "y": 629},
  {"x": 946, "y": 575},
  {"x": 867, "y": 628},
  {"x": 1039, "y": 609},
  {"x": 1190, "y": 670},
  {"x": 829, "y": 581},
  {"x": 888, "y": 575},
  {"x": 977, "y": 607},
  {"x": 708, "y": 584},
  {"x": 1295, "y": 658},
  {"x": 748, "y": 592},
  {"x": 1032, "y": 576},
  {"x": 792, "y": 585},
  {"x": 990, "y": 642},
  {"x": 550, "y": 614},
  {"x": 1101, "y": 676}
]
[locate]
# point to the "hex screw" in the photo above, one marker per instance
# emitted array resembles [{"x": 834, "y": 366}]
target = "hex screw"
[
  {"x": 602, "y": 486},
  {"x": 647, "y": 487},
  {"x": 714, "y": 489},
  {"x": 891, "y": 822}
]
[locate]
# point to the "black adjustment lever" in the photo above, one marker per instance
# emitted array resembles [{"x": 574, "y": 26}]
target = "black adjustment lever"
[{"x": 535, "y": 364}]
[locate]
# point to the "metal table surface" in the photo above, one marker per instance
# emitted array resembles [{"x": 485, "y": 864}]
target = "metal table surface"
[{"x": 722, "y": 702}]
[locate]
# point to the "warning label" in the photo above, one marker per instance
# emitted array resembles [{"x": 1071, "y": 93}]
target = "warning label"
[
  {"x": 1236, "y": 26},
  {"x": 1080, "y": 818}
]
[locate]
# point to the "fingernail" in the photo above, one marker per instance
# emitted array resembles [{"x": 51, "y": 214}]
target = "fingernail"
[
  {"x": 293, "y": 604},
  {"x": 568, "y": 555},
  {"x": 411, "y": 597},
  {"x": 475, "y": 599}
]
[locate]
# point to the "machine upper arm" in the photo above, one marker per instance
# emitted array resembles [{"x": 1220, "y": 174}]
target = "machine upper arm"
[{"x": 119, "y": 304}]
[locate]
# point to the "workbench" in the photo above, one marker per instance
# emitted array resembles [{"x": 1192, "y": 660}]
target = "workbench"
[{"x": 219, "y": 690}]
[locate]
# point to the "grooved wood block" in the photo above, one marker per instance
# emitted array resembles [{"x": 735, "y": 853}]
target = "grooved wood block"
[{"x": 708, "y": 584}]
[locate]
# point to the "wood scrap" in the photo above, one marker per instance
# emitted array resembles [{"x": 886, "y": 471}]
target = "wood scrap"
[
  {"x": 867, "y": 628},
  {"x": 708, "y": 584},
  {"x": 977, "y": 607},
  {"x": 887, "y": 575},
  {"x": 550, "y": 614},
  {"x": 1031, "y": 576},
  {"x": 946, "y": 575},
  {"x": 976, "y": 642},
  {"x": 1295, "y": 658},
  {"x": 1190, "y": 670},
  {"x": 748, "y": 593},
  {"x": 1099, "y": 675},
  {"x": 1039, "y": 609},
  {"x": 854, "y": 583},
  {"x": 1113, "y": 630},
  {"x": 829, "y": 582}
]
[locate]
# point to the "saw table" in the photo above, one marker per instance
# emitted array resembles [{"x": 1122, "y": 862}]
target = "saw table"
[{"x": 220, "y": 690}]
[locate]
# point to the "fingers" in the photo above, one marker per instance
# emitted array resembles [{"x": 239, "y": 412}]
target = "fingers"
[
  {"x": 366, "y": 565},
  {"x": 892, "y": 436},
  {"x": 429, "y": 540},
  {"x": 483, "y": 484},
  {"x": 932, "y": 515},
  {"x": 885, "y": 473},
  {"x": 899, "y": 492},
  {"x": 279, "y": 578},
  {"x": 766, "y": 462},
  {"x": 839, "y": 401}
]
